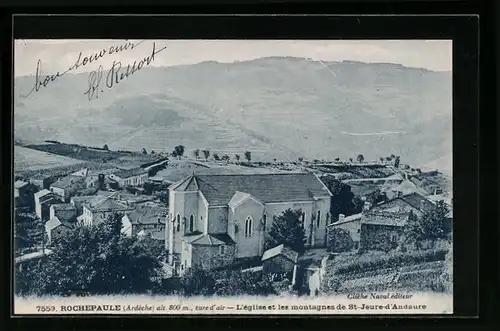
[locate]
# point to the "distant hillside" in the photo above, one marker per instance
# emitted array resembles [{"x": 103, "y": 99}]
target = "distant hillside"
[{"x": 281, "y": 108}]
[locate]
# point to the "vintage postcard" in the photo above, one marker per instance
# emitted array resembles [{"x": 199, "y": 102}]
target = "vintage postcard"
[{"x": 233, "y": 177}]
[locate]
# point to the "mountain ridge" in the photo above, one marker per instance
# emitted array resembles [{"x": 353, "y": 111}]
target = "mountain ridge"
[{"x": 275, "y": 107}]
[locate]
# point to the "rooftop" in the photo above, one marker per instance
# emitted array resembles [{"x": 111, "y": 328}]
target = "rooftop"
[
  {"x": 63, "y": 206},
  {"x": 107, "y": 204},
  {"x": 148, "y": 215},
  {"x": 385, "y": 218},
  {"x": 283, "y": 251},
  {"x": 41, "y": 193},
  {"x": 348, "y": 219},
  {"x": 127, "y": 173},
  {"x": 55, "y": 221},
  {"x": 67, "y": 181},
  {"x": 280, "y": 187},
  {"x": 209, "y": 239},
  {"x": 19, "y": 183}
]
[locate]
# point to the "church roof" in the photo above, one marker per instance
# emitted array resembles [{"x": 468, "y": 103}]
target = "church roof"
[
  {"x": 281, "y": 187},
  {"x": 186, "y": 184},
  {"x": 238, "y": 198},
  {"x": 209, "y": 239}
]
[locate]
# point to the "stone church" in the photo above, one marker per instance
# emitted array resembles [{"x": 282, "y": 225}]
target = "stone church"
[{"x": 215, "y": 219}]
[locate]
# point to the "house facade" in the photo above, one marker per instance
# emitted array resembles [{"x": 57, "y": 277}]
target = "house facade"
[
  {"x": 242, "y": 207},
  {"x": 97, "y": 212},
  {"x": 43, "y": 200},
  {"x": 150, "y": 220},
  {"x": 66, "y": 186},
  {"x": 57, "y": 228},
  {"x": 130, "y": 177},
  {"x": 279, "y": 260}
]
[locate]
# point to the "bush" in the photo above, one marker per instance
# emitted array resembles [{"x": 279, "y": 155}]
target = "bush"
[
  {"x": 339, "y": 241},
  {"x": 378, "y": 260}
]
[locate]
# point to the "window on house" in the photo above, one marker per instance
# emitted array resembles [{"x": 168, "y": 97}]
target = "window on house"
[
  {"x": 264, "y": 222},
  {"x": 318, "y": 218},
  {"x": 222, "y": 249},
  {"x": 359, "y": 230},
  {"x": 178, "y": 225},
  {"x": 356, "y": 244},
  {"x": 394, "y": 238},
  {"x": 248, "y": 226},
  {"x": 303, "y": 220},
  {"x": 191, "y": 223}
]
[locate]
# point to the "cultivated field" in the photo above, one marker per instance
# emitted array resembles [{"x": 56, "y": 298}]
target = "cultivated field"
[{"x": 30, "y": 159}]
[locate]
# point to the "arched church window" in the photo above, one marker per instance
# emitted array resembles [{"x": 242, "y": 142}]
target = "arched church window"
[
  {"x": 178, "y": 223},
  {"x": 264, "y": 222},
  {"x": 191, "y": 223},
  {"x": 248, "y": 226},
  {"x": 303, "y": 219},
  {"x": 318, "y": 218}
]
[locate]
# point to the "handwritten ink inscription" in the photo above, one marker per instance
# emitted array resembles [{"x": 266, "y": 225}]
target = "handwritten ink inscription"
[
  {"x": 45, "y": 80},
  {"x": 117, "y": 73}
]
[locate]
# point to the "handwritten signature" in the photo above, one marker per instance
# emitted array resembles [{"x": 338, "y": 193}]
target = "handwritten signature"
[
  {"x": 117, "y": 73},
  {"x": 45, "y": 80}
]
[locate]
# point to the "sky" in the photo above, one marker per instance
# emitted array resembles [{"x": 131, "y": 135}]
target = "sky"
[{"x": 59, "y": 55}]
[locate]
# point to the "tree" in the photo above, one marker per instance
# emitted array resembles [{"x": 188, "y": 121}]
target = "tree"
[
  {"x": 341, "y": 201},
  {"x": 392, "y": 156},
  {"x": 152, "y": 152},
  {"x": 339, "y": 241},
  {"x": 206, "y": 153},
  {"x": 196, "y": 153},
  {"x": 360, "y": 158},
  {"x": 288, "y": 229},
  {"x": 388, "y": 158},
  {"x": 105, "y": 147},
  {"x": 225, "y": 157},
  {"x": 179, "y": 150},
  {"x": 248, "y": 156},
  {"x": 432, "y": 225},
  {"x": 237, "y": 157},
  {"x": 351, "y": 160},
  {"x": 337, "y": 159},
  {"x": 238, "y": 283},
  {"x": 216, "y": 156},
  {"x": 301, "y": 159},
  {"x": 381, "y": 160},
  {"x": 144, "y": 151},
  {"x": 396, "y": 161},
  {"x": 197, "y": 281},
  {"x": 173, "y": 154},
  {"x": 95, "y": 260}
]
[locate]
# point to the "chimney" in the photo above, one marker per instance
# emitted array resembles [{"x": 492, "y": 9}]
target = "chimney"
[
  {"x": 367, "y": 206},
  {"x": 341, "y": 217}
]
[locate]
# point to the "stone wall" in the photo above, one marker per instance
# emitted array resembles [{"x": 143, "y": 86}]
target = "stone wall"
[
  {"x": 379, "y": 237},
  {"x": 210, "y": 257}
]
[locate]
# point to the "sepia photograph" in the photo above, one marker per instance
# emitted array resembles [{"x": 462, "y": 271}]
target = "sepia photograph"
[{"x": 232, "y": 176}]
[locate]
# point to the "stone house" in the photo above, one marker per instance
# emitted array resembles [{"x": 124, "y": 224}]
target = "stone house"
[
  {"x": 351, "y": 224},
  {"x": 66, "y": 186},
  {"x": 130, "y": 177},
  {"x": 41, "y": 181},
  {"x": 57, "y": 228},
  {"x": 381, "y": 230},
  {"x": 279, "y": 259},
  {"x": 95, "y": 212},
  {"x": 23, "y": 193},
  {"x": 243, "y": 207},
  {"x": 149, "y": 220},
  {"x": 79, "y": 201},
  {"x": 206, "y": 251},
  {"x": 43, "y": 200},
  {"x": 64, "y": 211}
]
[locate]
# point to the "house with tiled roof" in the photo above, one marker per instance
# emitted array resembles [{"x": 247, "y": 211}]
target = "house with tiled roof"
[
  {"x": 57, "y": 228},
  {"x": 242, "y": 208},
  {"x": 96, "y": 211},
  {"x": 66, "y": 186},
  {"x": 130, "y": 177},
  {"x": 279, "y": 259},
  {"x": 150, "y": 220},
  {"x": 43, "y": 200}
]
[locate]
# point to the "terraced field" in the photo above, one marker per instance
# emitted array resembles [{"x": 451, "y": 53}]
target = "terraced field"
[{"x": 30, "y": 159}]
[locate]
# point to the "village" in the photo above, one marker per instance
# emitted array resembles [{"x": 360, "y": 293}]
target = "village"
[{"x": 219, "y": 212}]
